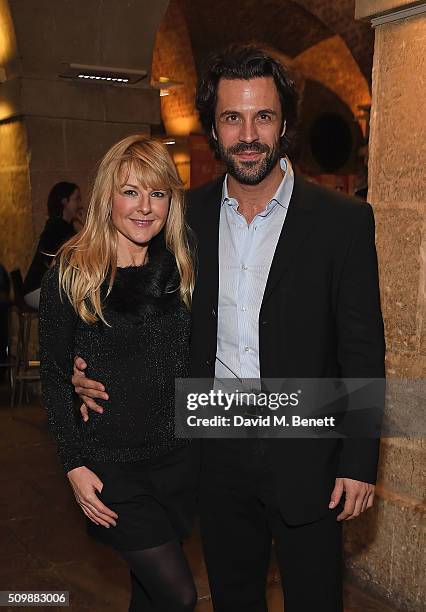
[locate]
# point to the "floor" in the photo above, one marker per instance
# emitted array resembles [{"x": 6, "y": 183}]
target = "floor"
[{"x": 43, "y": 543}]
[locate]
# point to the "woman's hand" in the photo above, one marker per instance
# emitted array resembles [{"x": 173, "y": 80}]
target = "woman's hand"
[{"x": 85, "y": 483}]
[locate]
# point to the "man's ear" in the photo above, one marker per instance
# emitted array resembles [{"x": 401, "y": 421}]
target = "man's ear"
[{"x": 284, "y": 128}]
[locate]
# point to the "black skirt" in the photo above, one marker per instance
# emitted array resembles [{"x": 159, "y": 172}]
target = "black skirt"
[{"x": 155, "y": 502}]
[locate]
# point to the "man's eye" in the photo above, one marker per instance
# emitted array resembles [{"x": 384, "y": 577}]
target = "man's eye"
[
  {"x": 265, "y": 117},
  {"x": 231, "y": 118}
]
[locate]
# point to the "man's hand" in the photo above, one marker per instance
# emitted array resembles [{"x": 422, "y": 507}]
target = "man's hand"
[
  {"x": 87, "y": 389},
  {"x": 358, "y": 497},
  {"x": 85, "y": 483}
]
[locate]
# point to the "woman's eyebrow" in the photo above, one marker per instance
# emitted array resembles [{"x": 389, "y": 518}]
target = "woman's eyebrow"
[{"x": 129, "y": 185}]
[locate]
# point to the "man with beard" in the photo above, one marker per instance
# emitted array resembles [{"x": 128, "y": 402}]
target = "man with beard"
[{"x": 287, "y": 288}]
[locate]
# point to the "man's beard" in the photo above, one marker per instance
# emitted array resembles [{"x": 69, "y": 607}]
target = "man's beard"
[{"x": 250, "y": 172}]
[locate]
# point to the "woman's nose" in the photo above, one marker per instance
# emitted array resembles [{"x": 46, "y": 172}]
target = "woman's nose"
[{"x": 145, "y": 205}]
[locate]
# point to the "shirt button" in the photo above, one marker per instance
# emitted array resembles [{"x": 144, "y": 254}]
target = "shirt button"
[
  {"x": 246, "y": 349},
  {"x": 243, "y": 308},
  {"x": 243, "y": 267}
]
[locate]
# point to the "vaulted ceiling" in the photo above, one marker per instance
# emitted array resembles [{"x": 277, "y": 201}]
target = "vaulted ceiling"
[{"x": 290, "y": 26}]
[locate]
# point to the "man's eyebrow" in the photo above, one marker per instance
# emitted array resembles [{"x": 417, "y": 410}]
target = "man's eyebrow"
[
  {"x": 229, "y": 112},
  {"x": 269, "y": 111}
]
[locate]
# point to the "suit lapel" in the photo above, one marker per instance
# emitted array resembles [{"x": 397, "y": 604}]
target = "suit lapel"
[
  {"x": 205, "y": 222},
  {"x": 204, "y": 218},
  {"x": 299, "y": 222}
]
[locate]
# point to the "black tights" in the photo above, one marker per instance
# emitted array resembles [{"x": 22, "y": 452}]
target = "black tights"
[{"x": 161, "y": 579}]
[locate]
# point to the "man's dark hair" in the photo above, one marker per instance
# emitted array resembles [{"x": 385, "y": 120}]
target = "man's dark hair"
[
  {"x": 245, "y": 62},
  {"x": 61, "y": 190}
]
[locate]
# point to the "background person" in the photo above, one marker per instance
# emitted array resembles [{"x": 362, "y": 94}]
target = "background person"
[{"x": 65, "y": 212}]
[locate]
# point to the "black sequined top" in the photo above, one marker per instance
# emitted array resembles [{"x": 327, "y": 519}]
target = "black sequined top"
[{"x": 137, "y": 358}]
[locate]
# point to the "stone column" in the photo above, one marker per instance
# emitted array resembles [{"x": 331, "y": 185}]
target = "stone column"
[
  {"x": 385, "y": 548},
  {"x": 16, "y": 229}
]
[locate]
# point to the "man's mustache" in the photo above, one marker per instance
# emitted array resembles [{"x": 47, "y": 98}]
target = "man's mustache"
[{"x": 242, "y": 147}]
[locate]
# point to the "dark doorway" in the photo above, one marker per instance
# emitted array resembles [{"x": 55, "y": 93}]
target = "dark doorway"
[{"x": 331, "y": 141}]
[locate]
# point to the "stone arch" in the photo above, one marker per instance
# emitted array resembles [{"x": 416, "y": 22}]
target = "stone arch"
[
  {"x": 358, "y": 36},
  {"x": 331, "y": 63}
]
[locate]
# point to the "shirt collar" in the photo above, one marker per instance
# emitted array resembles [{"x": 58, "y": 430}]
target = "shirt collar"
[{"x": 281, "y": 195}]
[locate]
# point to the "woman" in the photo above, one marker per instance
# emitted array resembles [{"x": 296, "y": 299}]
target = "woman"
[
  {"x": 119, "y": 295},
  {"x": 64, "y": 209}
]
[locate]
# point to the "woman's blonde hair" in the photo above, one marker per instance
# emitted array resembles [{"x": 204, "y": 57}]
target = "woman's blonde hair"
[{"x": 90, "y": 257}]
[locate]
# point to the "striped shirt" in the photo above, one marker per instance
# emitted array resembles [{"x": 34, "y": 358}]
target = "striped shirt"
[{"x": 245, "y": 257}]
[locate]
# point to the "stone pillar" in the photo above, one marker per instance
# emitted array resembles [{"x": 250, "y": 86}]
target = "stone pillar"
[
  {"x": 16, "y": 231},
  {"x": 385, "y": 548},
  {"x": 173, "y": 58}
]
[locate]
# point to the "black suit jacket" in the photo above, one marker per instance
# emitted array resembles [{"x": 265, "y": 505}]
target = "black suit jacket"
[{"x": 320, "y": 318}]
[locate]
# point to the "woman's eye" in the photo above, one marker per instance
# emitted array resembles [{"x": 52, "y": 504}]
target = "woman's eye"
[
  {"x": 158, "y": 194},
  {"x": 130, "y": 192}
]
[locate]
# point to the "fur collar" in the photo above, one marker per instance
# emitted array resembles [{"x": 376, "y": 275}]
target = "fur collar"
[{"x": 148, "y": 289}]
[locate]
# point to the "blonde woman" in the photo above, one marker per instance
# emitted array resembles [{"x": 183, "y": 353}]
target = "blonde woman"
[{"x": 119, "y": 295}]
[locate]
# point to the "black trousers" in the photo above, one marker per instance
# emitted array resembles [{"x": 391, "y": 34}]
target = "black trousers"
[{"x": 239, "y": 518}]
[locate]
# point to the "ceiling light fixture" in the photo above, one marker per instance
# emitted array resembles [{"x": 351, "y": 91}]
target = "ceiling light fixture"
[
  {"x": 103, "y": 78},
  {"x": 104, "y": 74}
]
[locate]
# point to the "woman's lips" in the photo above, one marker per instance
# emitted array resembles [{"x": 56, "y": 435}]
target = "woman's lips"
[{"x": 142, "y": 222}]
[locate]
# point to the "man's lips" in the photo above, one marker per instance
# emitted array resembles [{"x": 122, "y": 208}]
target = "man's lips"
[{"x": 249, "y": 155}]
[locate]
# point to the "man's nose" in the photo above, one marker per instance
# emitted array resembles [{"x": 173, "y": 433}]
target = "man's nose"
[{"x": 248, "y": 132}]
